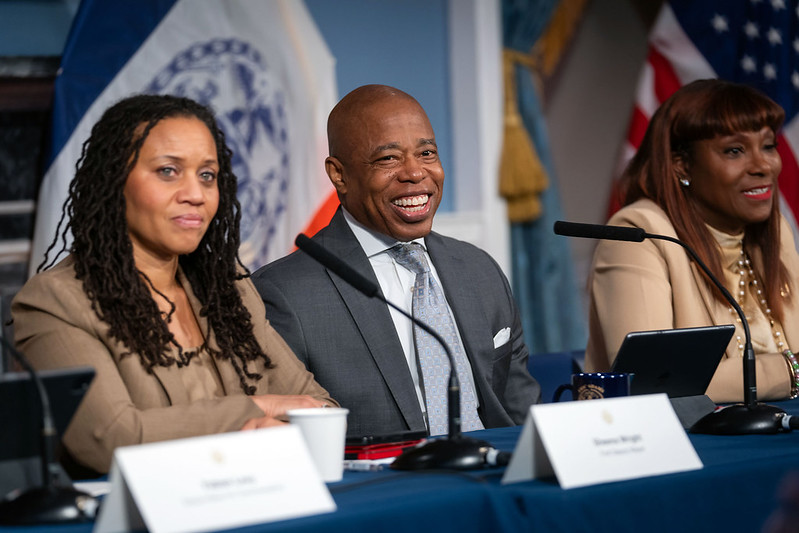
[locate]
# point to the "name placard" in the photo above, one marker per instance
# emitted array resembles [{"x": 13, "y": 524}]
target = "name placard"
[
  {"x": 598, "y": 441},
  {"x": 213, "y": 482}
]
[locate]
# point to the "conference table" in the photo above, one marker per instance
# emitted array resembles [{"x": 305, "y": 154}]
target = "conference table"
[{"x": 734, "y": 491}]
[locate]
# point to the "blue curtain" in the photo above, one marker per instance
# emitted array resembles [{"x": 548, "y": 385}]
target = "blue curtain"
[{"x": 543, "y": 273}]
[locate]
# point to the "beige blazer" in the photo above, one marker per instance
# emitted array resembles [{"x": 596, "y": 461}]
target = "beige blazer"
[
  {"x": 653, "y": 285},
  {"x": 55, "y": 327}
]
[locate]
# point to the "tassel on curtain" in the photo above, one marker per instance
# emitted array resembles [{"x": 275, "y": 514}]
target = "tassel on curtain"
[{"x": 522, "y": 177}]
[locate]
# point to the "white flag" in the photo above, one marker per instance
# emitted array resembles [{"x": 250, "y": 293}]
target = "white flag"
[{"x": 261, "y": 65}]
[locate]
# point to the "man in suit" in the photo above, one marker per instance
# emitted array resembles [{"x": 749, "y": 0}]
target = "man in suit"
[{"x": 385, "y": 167}]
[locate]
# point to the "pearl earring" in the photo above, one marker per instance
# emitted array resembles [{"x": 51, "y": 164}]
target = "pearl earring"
[{"x": 685, "y": 182}]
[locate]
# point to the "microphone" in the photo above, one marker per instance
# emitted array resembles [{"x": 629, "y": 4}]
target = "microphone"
[
  {"x": 50, "y": 503},
  {"x": 739, "y": 419},
  {"x": 598, "y": 231},
  {"x": 453, "y": 452}
]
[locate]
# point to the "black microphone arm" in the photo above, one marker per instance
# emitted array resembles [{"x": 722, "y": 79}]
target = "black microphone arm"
[
  {"x": 749, "y": 417},
  {"x": 456, "y": 451},
  {"x": 49, "y": 503}
]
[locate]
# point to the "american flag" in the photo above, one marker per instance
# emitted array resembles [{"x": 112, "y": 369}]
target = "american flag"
[{"x": 748, "y": 41}]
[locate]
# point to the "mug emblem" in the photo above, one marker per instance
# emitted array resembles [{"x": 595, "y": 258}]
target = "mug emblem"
[{"x": 590, "y": 392}]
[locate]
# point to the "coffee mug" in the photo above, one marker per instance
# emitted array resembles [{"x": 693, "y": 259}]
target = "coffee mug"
[{"x": 596, "y": 385}]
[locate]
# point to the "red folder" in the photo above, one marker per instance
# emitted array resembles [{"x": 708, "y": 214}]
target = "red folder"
[{"x": 379, "y": 450}]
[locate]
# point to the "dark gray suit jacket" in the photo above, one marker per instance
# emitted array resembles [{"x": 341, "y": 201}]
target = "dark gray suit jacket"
[{"x": 349, "y": 343}]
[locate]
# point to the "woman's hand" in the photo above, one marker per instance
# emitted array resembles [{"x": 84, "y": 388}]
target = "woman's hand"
[
  {"x": 276, "y": 405},
  {"x": 262, "y": 422}
]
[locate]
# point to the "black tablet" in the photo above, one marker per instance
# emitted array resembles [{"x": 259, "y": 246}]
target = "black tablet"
[
  {"x": 20, "y": 410},
  {"x": 679, "y": 362}
]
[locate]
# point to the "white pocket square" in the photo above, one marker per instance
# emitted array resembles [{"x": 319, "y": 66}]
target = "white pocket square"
[{"x": 501, "y": 337}]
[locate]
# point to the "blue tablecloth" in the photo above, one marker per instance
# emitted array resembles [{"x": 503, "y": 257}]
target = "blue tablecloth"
[{"x": 735, "y": 491}]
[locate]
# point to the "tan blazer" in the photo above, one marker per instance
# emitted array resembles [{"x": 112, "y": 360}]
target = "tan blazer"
[
  {"x": 653, "y": 285},
  {"x": 55, "y": 327}
]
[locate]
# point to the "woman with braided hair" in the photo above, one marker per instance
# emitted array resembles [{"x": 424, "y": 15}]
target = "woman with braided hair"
[{"x": 153, "y": 294}]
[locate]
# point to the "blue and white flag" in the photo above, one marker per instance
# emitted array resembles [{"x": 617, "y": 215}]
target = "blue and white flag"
[{"x": 262, "y": 66}]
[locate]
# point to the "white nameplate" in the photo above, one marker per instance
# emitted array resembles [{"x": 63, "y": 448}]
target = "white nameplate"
[
  {"x": 598, "y": 441},
  {"x": 213, "y": 482}
]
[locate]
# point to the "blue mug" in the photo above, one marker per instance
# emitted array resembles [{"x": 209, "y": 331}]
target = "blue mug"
[{"x": 596, "y": 386}]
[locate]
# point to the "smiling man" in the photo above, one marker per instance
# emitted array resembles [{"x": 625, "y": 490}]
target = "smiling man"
[{"x": 385, "y": 167}]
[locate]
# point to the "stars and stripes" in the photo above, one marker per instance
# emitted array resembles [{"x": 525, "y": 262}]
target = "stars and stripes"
[{"x": 748, "y": 41}]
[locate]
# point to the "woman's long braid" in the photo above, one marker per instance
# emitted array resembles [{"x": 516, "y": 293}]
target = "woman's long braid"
[
  {"x": 211, "y": 269},
  {"x": 103, "y": 253}
]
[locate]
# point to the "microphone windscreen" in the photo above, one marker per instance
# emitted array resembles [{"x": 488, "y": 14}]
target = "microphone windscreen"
[
  {"x": 332, "y": 262},
  {"x": 599, "y": 231}
]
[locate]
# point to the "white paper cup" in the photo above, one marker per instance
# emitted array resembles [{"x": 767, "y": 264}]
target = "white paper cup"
[{"x": 325, "y": 431}]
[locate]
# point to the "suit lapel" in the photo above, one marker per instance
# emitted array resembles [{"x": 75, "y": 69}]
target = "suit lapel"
[
  {"x": 373, "y": 320},
  {"x": 172, "y": 384}
]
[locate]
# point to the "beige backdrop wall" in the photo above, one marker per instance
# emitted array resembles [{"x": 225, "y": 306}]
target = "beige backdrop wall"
[{"x": 589, "y": 109}]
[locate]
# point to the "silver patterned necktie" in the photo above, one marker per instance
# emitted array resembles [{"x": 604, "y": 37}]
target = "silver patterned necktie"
[{"x": 430, "y": 307}]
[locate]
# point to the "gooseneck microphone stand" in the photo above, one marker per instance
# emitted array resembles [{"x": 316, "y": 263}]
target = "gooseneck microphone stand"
[
  {"x": 748, "y": 417},
  {"x": 456, "y": 451},
  {"x": 50, "y": 503}
]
